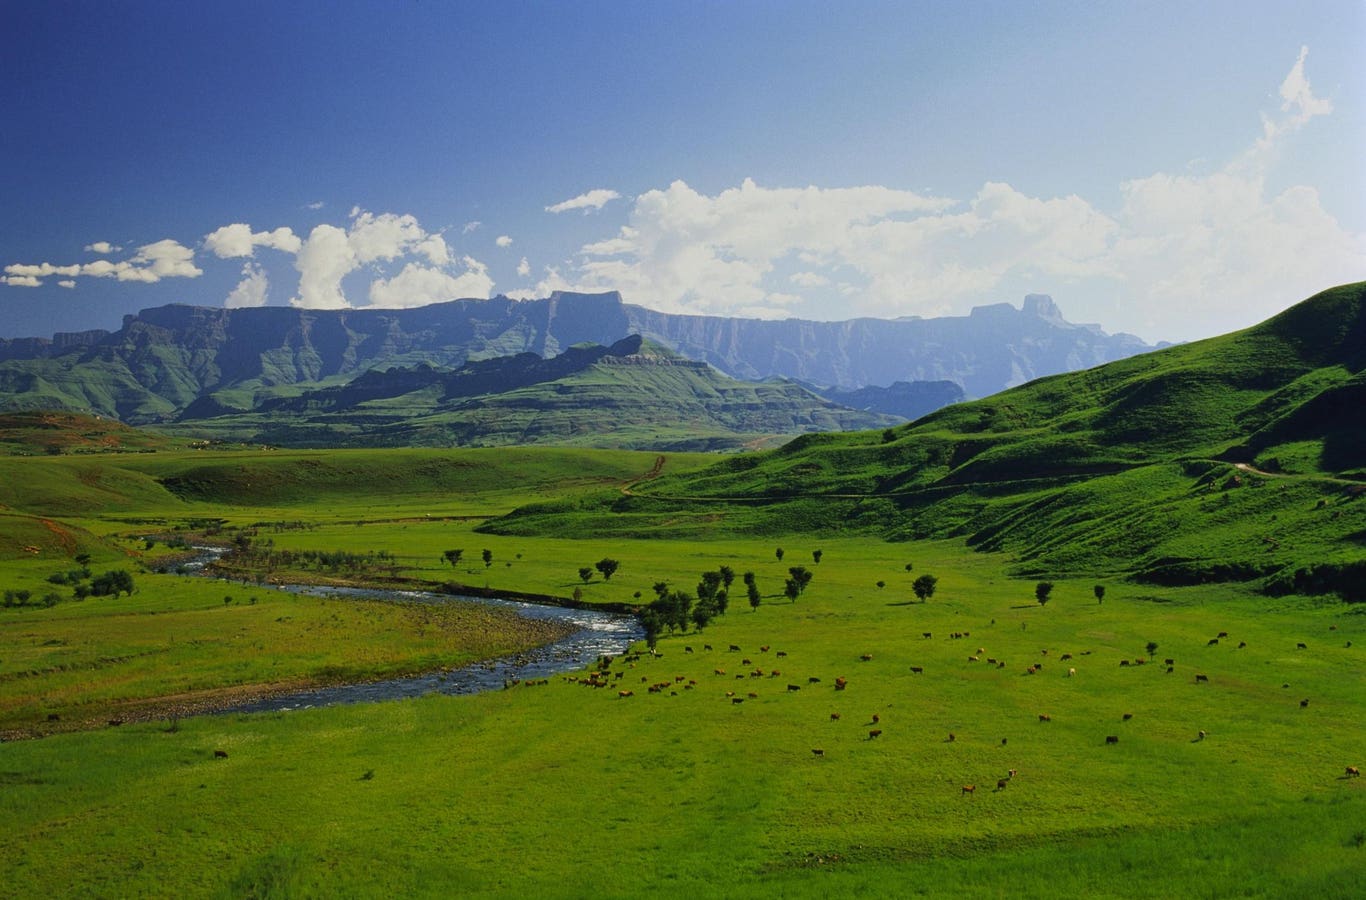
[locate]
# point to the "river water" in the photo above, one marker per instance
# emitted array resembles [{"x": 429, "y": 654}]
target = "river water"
[{"x": 596, "y": 634}]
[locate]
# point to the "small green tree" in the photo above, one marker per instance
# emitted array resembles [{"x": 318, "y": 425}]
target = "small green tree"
[
  {"x": 910, "y": 566},
  {"x": 586, "y": 574},
  {"x": 727, "y": 576},
  {"x": 753, "y": 591},
  {"x": 702, "y": 613},
  {"x": 1152, "y": 648},
  {"x": 881, "y": 585},
  {"x": 816, "y": 556},
  {"x": 1100, "y": 593},
  {"x": 802, "y": 576},
  {"x": 607, "y": 567},
  {"x": 488, "y": 558},
  {"x": 453, "y": 557},
  {"x": 779, "y": 553},
  {"x": 652, "y": 623},
  {"x": 924, "y": 586},
  {"x": 792, "y": 589},
  {"x": 1043, "y": 591}
]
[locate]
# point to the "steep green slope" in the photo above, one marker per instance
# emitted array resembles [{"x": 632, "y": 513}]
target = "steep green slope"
[{"x": 1132, "y": 467}]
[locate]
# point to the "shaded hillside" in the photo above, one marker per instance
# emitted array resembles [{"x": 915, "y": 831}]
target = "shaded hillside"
[
  {"x": 165, "y": 360},
  {"x": 908, "y": 399},
  {"x": 1237, "y": 457},
  {"x": 632, "y": 394}
]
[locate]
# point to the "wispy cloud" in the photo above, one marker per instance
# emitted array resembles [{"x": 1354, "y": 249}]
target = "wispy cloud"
[
  {"x": 1211, "y": 251},
  {"x": 102, "y": 247},
  {"x": 592, "y": 200}
]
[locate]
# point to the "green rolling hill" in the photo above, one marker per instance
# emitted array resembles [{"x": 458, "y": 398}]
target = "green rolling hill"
[
  {"x": 634, "y": 394},
  {"x": 1241, "y": 457}
]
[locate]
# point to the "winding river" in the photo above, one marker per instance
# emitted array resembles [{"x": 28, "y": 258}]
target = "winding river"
[{"x": 596, "y": 634}]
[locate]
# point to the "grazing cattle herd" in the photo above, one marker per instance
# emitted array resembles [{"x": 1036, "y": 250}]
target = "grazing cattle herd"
[{"x": 601, "y": 676}]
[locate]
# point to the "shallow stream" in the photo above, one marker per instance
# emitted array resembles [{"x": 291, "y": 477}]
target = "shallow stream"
[{"x": 596, "y": 634}]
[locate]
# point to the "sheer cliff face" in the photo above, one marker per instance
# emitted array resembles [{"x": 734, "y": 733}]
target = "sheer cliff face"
[
  {"x": 199, "y": 350},
  {"x": 994, "y": 348}
]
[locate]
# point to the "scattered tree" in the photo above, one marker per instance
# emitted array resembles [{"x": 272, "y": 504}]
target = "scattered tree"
[
  {"x": 792, "y": 589},
  {"x": 752, "y": 590},
  {"x": 924, "y": 587},
  {"x": 51, "y": 599},
  {"x": 816, "y": 556},
  {"x": 1042, "y": 591},
  {"x": 779, "y": 553},
  {"x": 910, "y": 566},
  {"x": 653, "y": 623},
  {"x": 578, "y": 593},
  {"x": 888, "y": 436},
  {"x": 586, "y": 574},
  {"x": 1100, "y": 593},
  {"x": 607, "y": 567},
  {"x": 881, "y": 585},
  {"x": 453, "y": 557},
  {"x": 1152, "y": 648},
  {"x": 488, "y": 558},
  {"x": 802, "y": 576},
  {"x": 112, "y": 582},
  {"x": 727, "y": 576}
]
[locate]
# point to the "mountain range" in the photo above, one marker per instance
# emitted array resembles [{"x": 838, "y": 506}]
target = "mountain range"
[{"x": 166, "y": 359}]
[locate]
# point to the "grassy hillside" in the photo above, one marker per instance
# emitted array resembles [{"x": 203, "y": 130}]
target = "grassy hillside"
[
  {"x": 1239, "y": 457},
  {"x": 631, "y": 395}
]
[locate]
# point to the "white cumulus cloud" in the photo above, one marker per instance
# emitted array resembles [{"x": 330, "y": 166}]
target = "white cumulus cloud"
[
  {"x": 419, "y": 285},
  {"x": 102, "y": 247},
  {"x": 503, "y": 240},
  {"x": 252, "y": 290},
  {"x": 330, "y": 254},
  {"x": 66, "y": 283},
  {"x": 524, "y": 268},
  {"x": 591, "y": 200},
  {"x": 238, "y": 240}
]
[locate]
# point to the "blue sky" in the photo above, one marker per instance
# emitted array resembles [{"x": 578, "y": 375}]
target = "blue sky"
[{"x": 1174, "y": 170}]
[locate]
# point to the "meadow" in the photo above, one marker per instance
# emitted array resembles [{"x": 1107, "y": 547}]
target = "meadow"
[{"x": 1225, "y": 786}]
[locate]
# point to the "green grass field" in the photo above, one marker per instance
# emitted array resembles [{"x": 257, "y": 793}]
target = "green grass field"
[{"x": 566, "y": 790}]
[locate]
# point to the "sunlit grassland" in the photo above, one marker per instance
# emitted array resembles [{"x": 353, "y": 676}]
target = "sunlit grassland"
[
  {"x": 688, "y": 791},
  {"x": 566, "y": 790}
]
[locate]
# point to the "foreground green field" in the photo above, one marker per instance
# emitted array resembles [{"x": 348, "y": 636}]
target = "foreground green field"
[{"x": 568, "y": 790}]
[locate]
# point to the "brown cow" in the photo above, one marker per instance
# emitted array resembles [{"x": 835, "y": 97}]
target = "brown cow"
[
  {"x": 950, "y": 739},
  {"x": 813, "y": 680},
  {"x": 1353, "y": 772},
  {"x": 834, "y": 717},
  {"x": 817, "y": 751},
  {"x": 874, "y": 733},
  {"x": 840, "y": 683},
  {"x": 1169, "y": 662},
  {"x": 626, "y": 693},
  {"x": 969, "y": 788},
  {"x": 1000, "y": 784},
  {"x": 1211, "y": 642},
  {"x": 1045, "y": 717},
  {"x": 1223, "y": 634},
  {"x": 1301, "y": 646},
  {"x": 876, "y": 718},
  {"x": 867, "y": 657},
  {"x": 220, "y": 754}
]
